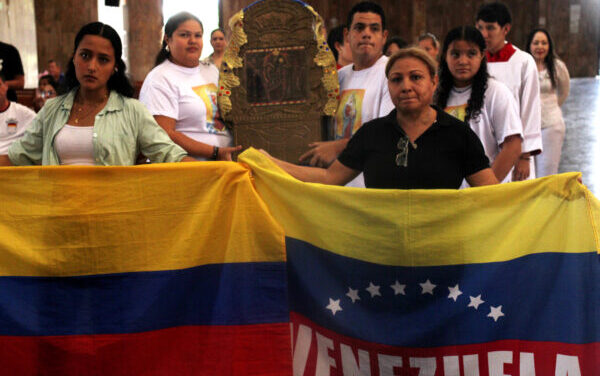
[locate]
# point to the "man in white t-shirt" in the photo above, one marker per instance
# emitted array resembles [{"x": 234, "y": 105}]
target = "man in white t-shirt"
[
  {"x": 14, "y": 119},
  {"x": 517, "y": 70},
  {"x": 364, "y": 93}
]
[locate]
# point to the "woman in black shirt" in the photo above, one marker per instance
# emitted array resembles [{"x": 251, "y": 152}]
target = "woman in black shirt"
[{"x": 415, "y": 146}]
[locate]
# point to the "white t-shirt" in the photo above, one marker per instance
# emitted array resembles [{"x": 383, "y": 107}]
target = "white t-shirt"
[
  {"x": 13, "y": 123},
  {"x": 364, "y": 96},
  {"x": 499, "y": 117},
  {"x": 188, "y": 95},
  {"x": 520, "y": 75}
]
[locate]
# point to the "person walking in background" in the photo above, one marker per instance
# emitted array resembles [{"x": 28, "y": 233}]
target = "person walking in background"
[{"x": 554, "y": 89}]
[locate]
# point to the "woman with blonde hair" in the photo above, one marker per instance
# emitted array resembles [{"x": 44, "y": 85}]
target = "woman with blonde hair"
[{"x": 415, "y": 146}]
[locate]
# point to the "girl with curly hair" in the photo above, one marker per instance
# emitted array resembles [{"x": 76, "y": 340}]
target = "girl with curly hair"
[{"x": 467, "y": 92}]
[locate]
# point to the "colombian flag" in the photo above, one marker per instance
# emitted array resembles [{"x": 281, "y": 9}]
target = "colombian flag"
[
  {"x": 501, "y": 280},
  {"x": 174, "y": 269}
]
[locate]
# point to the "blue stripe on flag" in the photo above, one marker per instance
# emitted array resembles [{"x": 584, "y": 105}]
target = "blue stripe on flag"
[
  {"x": 220, "y": 294},
  {"x": 544, "y": 297}
]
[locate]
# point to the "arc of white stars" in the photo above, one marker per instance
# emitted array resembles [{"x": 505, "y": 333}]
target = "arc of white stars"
[
  {"x": 495, "y": 313},
  {"x": 398, "y": 288},
  {"x": 476, "y": 301},
  {"x": 454, "y": 292},
  {"x": 373, "y": 290},
  {"x": 334, "y": 306},
  {"x": 427, "y": 287},
  {"x": 352, "y": 294}
]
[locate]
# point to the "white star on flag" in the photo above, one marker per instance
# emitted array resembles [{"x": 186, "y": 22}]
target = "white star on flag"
[
  {"x": 398, "y": 288},
  {"x": 334, "y": 306},
  {"x": 454, "y": 292},
  {"x": 373, "y": 290},
  {"x": 427, "y": 287},
  {"x": 475, "y": 301},
  {"x": 352, "y": 294},
  {"x": 495, "y": 313}
]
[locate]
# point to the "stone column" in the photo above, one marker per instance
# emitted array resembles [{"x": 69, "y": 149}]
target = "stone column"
[
  {"x": 57, "y": 23},
  {"x": 144, "y": 29}
]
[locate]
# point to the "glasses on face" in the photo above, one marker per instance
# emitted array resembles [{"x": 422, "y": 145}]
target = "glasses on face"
[{"x": 402, "y": 156}]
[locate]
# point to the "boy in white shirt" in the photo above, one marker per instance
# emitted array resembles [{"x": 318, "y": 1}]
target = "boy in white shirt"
[
  {"x": 364, "y": 93},
  {"x": 517, "y": 70}
]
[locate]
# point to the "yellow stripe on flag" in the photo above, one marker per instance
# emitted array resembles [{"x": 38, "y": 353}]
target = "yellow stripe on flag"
[
  {"x": 432, "y": 227},
  {"x": 93, "y": 220}
]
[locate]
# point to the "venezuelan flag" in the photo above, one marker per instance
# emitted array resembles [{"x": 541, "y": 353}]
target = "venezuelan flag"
[
  {"x": 175, "y": 269},
  {"x": 500, "y": 280}
]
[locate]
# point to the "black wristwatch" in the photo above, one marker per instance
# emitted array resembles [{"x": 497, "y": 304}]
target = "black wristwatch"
[{"x": 215, "y": 153}]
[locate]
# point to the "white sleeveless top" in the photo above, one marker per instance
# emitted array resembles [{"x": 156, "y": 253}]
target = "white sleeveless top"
[{"x": 74, "y": 145}]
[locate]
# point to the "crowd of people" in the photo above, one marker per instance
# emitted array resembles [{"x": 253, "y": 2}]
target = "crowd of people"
[{"x": 471, "y": 111}]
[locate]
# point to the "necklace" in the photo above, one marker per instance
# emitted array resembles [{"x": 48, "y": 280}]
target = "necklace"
[
  {"x": 461, "y": 89},
  {"x": 80, "y": 114}
]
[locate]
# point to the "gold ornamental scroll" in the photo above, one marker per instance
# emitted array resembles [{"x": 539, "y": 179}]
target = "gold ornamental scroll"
[{"x": 278, "y": 78}]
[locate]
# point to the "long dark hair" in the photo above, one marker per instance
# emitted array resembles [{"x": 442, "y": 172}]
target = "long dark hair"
[
  {"x": 118, "y": 81},
  {"x": 549, "y": 60},
  {"x": 170, "y": 27},
  {"x": 479, "y": 83}
]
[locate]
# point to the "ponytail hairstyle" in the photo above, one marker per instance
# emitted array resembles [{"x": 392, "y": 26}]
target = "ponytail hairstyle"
[
  {"x": 118, "y": 81},
  {"x": 479, "y": 83},
  {"x": 550, "y": 59},
  {"x": 170, "y": 27}
]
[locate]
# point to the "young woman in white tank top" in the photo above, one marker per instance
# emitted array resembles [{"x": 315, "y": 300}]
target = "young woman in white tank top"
[{"x": 97, "y": 122}]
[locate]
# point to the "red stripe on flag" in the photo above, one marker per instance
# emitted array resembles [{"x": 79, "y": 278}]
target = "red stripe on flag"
[
  {"x": 318, "y": 348},
  {"x": 197, "y": 350}
]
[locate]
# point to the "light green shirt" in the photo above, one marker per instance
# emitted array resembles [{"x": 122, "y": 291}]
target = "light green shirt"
[{"x": 122, "y": 129}]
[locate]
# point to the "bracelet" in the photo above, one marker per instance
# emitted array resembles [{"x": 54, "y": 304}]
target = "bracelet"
[
  {"x": 215, "y": 153},
  {"x": 525, "y": 158}
]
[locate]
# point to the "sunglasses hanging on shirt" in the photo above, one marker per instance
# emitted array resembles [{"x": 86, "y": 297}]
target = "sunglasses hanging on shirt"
[{"x": 402, "y": 156}]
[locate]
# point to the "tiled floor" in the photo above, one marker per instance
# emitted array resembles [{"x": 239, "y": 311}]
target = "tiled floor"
[{"x": 581, "y": 150}]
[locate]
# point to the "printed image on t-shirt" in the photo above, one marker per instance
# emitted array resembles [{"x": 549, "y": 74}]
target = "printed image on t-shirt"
[
  {"x": 349, "y": 117},
  {"x": 208, "y": 94},
  {"x": 11, "y": 125},
  {"x": 459, "y": 112}
]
